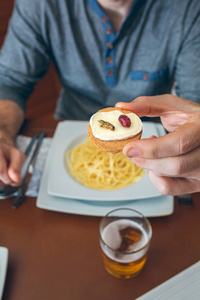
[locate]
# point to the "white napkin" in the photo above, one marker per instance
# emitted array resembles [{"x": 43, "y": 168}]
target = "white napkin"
[
  {"x": 183, "y": 286},
  {"x": 21, "y": 143}
]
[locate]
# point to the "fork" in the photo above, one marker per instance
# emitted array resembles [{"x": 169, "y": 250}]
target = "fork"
[{"x": 185, "y": 200}]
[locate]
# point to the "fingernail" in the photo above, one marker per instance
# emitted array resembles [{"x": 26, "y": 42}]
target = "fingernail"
[{"x": 133, "y": 152}]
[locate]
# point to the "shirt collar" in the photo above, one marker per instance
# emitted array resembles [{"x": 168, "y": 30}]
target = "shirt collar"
[
  {"x": 134, "y": 9},
  {"x": 96, "y": 7}
]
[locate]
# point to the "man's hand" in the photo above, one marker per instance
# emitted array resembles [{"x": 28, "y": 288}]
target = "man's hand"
[
  {"x": 11, "y": 159},
  {"x": 173, "y": 160}
]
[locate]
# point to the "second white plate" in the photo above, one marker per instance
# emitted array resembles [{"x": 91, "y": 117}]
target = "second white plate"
[{"x": 68, "y": 135}]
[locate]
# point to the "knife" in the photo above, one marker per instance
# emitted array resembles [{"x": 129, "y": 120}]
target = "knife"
[{"x": 21, "y": 193}]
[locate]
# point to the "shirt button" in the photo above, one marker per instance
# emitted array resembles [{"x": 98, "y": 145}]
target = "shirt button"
[
  {"x": 109, "y": 60},
  {"x": 145, "y": 76},
  {"x": 104, "y": 19},
  {"x": 109, "y": 45},
  {"x": 110, "y": 73},
  {"x": 108, "y": 31}
]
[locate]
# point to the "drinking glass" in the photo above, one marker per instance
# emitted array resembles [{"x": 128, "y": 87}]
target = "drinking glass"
[{"x": 125, "y": 236}]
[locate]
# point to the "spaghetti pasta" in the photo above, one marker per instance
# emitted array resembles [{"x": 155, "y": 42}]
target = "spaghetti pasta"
[{"x": 101, "y": 170}]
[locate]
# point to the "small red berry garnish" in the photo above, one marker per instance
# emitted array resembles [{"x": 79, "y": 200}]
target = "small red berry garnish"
[{"x": 124, "y": 120}]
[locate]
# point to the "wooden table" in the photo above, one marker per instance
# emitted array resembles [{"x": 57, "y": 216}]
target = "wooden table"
[{"x": 56, "y": 256}]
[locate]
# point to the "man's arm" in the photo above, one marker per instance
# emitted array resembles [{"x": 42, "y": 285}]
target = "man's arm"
[
  {"x": 24, "y": 60},
  {"x": 11, "y": 159},
  {"x": 187, "y": 68}
]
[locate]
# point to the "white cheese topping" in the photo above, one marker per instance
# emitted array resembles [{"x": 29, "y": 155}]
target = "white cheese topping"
[{"x": 120, "y": 132}]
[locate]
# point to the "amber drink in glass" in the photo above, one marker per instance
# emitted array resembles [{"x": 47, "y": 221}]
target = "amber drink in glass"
[{"x": 125, "y": 236}]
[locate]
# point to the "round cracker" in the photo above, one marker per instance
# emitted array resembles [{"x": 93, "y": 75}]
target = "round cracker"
[{"x": 112, "y": 146}]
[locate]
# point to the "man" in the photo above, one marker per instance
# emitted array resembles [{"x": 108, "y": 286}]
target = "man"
[{"x": 104, "y": 51}]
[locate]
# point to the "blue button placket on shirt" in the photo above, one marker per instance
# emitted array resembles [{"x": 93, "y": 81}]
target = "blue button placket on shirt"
[
  {"x": 110, "y": 45},
  {"x": 109, "y": 54}
]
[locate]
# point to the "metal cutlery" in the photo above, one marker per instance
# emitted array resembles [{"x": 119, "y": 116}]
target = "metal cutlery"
[
  {"x": 31, "y": 153},
  {"x": 26, "y": 177},
  {"x": 185, "y": 200}
]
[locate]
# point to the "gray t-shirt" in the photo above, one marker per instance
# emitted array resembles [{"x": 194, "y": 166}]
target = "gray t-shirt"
[{"x": 157, "y": 45}]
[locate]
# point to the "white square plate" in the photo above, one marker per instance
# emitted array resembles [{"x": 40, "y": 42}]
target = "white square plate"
[
  {"x": 3, "y": 268},
  {"x": 68, "y": 135},
  {"x": 151, "y": 207}
]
